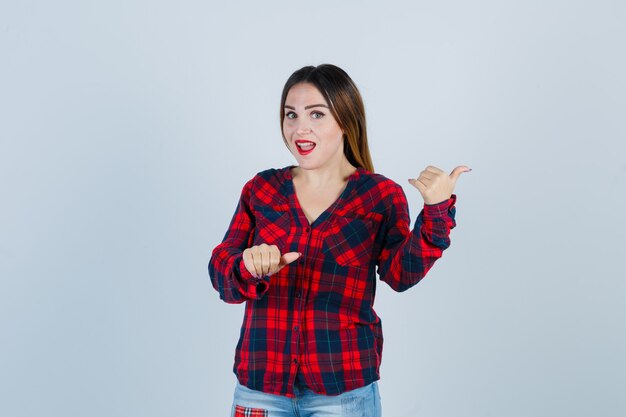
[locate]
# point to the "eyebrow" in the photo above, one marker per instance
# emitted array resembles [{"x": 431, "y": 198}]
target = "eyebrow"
[{"x": 308, "y": 107}]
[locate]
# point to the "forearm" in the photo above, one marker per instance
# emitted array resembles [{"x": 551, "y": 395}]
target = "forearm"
[
  {"x": 410, "y": 259},
  {"x": 230, "y": 277}
]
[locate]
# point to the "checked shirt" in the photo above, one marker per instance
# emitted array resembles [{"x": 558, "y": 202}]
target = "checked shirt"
[{"x": 315, "y": 316}]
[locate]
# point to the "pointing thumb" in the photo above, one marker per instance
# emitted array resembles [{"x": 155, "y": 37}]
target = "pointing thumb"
[
  {"x": 288, "y": 258},
  {"x": 456, "y": 173}
]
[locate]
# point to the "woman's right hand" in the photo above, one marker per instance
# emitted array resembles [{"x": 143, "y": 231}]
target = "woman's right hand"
[{"x": 263, "y": 259}]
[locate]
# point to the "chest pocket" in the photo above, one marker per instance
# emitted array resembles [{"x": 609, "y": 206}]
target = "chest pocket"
[
  {"x": 350, "y": 240},
  {"x": 272, "y": 227}
]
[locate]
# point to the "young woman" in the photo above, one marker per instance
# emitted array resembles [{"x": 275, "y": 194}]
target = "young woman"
[{"x": 303, "y": 249}]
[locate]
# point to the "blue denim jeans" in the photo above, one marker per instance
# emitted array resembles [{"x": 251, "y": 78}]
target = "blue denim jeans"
[{"x": 361, "y": 402}]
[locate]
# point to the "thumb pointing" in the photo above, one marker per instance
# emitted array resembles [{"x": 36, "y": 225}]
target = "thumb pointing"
[
  {"x": 288, "y": 258},
  {"x": 456, "y": 173}
]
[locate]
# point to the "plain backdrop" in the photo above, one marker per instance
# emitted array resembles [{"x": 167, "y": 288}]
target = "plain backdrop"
[{"x": 128, "y": 129}]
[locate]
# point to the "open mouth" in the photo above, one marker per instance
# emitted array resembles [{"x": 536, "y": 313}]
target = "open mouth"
[{"x": 305, "y": 147}]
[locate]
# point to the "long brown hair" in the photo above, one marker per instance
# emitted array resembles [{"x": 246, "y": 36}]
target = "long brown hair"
[{"x": 346, "y": 106}]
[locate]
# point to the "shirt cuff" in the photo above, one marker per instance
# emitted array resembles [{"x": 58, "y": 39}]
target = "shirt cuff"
[
  {"x": 253, "y": 287},
  {"x": 441, "y": 209}
]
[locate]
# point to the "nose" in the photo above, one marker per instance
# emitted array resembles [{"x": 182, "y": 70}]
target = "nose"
[{"x": 303, "y": 127}]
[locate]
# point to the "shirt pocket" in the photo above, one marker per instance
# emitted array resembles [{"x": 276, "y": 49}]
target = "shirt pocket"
[
  {"x": 272, "y": 227},
  {"x": 350, "y": 240}
]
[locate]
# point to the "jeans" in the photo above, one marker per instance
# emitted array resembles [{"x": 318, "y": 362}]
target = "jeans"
[{"x": 361, "y": 402}]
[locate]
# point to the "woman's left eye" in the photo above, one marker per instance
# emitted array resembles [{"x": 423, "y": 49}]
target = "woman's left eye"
[{"x": 317, "y": 115}]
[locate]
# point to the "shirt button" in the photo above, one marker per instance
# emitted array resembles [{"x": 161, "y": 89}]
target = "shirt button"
[
  {"x": 298, "y": 294},
  {"x": 295, "y": 360},
  {"x": 296, "y": 328},
  {"x": 308, "y": 229}
]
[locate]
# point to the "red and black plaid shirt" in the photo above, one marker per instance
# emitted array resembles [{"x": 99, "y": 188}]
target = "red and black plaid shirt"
[{"x": 315, "y": 315}]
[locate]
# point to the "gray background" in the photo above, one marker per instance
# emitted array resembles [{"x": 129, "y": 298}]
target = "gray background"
[{"x": 128, "y": 129}]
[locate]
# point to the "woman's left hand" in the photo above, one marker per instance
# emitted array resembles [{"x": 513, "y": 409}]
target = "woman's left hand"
[{"x": 435, "y": 185}]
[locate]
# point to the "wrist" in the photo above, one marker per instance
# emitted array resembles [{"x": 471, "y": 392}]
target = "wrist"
[
  {"x": 436, "y": 201},
  {"x": 440, "y": 209}
]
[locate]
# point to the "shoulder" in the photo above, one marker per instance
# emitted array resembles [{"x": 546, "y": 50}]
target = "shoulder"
[
  {"x": 267, "y": 185},
  {"x": 378, "y": 184},
  {"x": 269, "y": 177},
  {"x": 375, "y": 193}
]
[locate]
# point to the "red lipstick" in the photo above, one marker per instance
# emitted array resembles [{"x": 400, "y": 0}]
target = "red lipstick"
[{"x": 305, "y": 147}]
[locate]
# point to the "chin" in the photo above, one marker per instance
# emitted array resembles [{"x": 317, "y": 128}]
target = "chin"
[
  {"x": 300, "y": 161},
  {"x": 304, "y": 164}
]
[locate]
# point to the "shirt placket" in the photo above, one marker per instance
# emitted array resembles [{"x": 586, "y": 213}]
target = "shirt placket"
[
  {"x": 301, "y": 288},
  {"x": 309, "y": 245}
]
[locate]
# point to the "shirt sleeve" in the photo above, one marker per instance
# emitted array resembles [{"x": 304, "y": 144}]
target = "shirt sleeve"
[
  {"x": 228, "y": 273},
  {"x": 407, "y": 255}
]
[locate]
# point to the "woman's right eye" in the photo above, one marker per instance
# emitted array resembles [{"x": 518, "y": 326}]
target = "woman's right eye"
[{"x": 290, "y": 115}]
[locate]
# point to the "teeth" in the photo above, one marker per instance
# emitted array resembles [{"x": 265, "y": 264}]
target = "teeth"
[{"x": 305, "y": 146}]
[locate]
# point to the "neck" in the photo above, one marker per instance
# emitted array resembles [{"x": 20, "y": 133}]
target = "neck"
[{"x": 324, "y": 176}]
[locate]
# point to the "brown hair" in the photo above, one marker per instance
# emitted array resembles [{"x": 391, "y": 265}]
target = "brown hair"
[{"x": 346, "y": 106}]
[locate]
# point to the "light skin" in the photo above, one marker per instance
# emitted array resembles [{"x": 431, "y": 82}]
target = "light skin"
[
  {"x": 435, "y": 185},
  {"x": 321, "y": 175},
  {"x": 308, "y": 119}
]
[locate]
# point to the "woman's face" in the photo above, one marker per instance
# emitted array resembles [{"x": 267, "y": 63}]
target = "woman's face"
[{"x": 311, "y": 131}]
